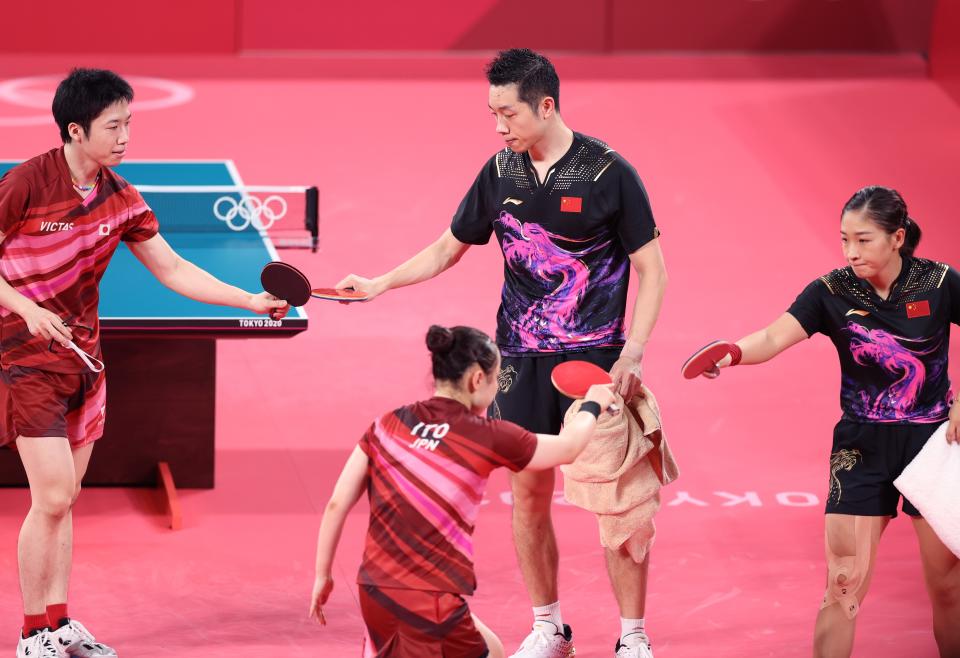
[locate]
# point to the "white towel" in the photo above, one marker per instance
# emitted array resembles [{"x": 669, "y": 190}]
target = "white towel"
[{"x": 932, "y": 483}]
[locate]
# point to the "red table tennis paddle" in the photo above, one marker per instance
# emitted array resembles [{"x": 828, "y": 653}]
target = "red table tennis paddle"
[
  {"x": 339, "y": 294},
  {"x": 705, "y": 358},
  {"x": 284, "y": 281},
  {"x": 574, "y": 378}
]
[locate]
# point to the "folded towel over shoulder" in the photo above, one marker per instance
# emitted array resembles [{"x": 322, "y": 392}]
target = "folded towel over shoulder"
[
  {"x": 619, "y": 474},
  {"x": 932, "y": 483}
]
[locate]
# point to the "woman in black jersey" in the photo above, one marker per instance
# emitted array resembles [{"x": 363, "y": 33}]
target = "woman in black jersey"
[{"x": 889, "y": 314}]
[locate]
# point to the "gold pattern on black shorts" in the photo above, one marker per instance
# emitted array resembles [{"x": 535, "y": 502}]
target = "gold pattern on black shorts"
[
  {"x": 505, "y": 378},
  {"x": 841, "y": 460}
]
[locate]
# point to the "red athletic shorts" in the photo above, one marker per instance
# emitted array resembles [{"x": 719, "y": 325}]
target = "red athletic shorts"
[
  {"x": 408, "y": 623},
  {"x": 41, "y": 403}
]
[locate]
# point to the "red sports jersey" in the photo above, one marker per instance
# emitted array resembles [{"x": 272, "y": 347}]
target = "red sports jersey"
[
  {"x": 56, "y": 249},
  {"x": 429, "y": 464}
]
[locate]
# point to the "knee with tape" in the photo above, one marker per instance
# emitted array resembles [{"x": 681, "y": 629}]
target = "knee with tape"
[{"x": 846, "y": 573}]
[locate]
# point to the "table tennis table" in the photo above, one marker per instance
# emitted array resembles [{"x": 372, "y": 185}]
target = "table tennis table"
[{"x": 160, "y": 347}]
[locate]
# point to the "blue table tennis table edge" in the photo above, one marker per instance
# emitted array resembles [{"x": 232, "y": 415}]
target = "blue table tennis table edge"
[{"x": 298, "y": 313}]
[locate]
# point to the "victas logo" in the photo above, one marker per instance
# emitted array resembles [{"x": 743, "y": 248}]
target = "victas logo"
[{"x": 50, "y": 227}]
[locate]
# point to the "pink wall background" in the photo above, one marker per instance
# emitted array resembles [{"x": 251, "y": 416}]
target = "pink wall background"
[
  {"x": 233, "y": 26},
  {"x": 945, "y": 47}
]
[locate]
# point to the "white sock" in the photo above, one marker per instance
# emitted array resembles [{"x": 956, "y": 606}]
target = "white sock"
[
  {"x": 548, "y": 613},
  {"x": 630, "y": 627}
]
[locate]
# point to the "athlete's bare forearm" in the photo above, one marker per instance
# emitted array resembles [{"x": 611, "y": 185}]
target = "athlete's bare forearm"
[
  {"x": 763, "y": 345},
  {"x": 440, "y": 256},
  {"x": 652, "y": 285}
]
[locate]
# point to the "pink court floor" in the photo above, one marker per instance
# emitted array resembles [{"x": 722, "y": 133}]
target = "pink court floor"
[{"x": 747, "y": 162}]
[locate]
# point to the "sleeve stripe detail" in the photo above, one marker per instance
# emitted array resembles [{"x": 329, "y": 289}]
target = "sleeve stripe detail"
[{"x": 597, "y": 177}]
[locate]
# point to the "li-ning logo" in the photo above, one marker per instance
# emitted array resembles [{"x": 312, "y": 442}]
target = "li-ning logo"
[
  {"x": 510, "y": 199},
  {"x": 49, "y": 227}
]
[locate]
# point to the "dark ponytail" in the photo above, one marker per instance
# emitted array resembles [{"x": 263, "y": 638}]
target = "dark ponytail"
[
  {"x": 454, "y": 350},
  {"x": 912, "y": 237},
  {"x": 887, "y": 209}
]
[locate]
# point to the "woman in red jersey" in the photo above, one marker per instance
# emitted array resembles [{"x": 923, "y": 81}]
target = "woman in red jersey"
[{"x": 424, "y": 467}]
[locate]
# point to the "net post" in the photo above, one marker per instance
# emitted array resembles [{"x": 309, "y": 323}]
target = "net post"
[{"x": 312, "y": 219}]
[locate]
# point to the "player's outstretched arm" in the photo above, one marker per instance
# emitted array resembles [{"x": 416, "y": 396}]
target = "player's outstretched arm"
[
  {"x": 765, "y": 344},
  {"x": 350, "y": 485},
  {"x": 185, "y": 278},
  {"x": 555, "y": 449},
  {"x": 438, "y": 257}
]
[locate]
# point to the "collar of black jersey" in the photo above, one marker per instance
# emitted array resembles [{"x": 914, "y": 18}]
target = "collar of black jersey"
[
  {"x": 574, "y": 145},
  {"x": 904, "y": 270}
]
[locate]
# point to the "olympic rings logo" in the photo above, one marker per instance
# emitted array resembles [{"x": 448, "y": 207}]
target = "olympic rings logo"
[{"x": 239, "y": 214}]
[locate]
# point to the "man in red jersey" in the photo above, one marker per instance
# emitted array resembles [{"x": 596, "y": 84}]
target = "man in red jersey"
[{"x": 62, "y": 216}]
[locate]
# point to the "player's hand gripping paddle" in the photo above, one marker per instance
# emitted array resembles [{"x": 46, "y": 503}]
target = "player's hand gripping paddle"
[
  {"x": 705, "y": 359},
  {"x": 574, "y": 379},
  {"x": 284, "y": 281}
]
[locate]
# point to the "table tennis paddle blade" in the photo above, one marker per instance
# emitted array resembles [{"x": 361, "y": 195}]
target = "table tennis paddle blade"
[
  {"x": 345, "y": 295},
  {"x": 286, "y": 282},
  {"x": 705, "y": 358},
  {"x": 574, "y": 378}
]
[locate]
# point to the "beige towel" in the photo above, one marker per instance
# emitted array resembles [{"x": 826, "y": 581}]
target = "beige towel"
[{"x": 619, "y": 474}]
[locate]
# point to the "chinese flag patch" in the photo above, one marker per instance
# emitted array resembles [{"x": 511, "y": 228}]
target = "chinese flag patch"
[
  {"x": 919, "y": 309},
  {"x": 571, "y": 204}
]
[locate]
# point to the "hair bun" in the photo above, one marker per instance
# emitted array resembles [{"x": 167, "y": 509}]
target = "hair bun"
[{"x": 439, "y": 339}]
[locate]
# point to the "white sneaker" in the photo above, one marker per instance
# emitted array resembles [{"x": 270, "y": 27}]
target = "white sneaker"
[
  {"x": 75, "y": 640},
  {"x": 541, "y": 643},
  {"x": 38, "y": 645},
  {"x": 638, "y": 647}
]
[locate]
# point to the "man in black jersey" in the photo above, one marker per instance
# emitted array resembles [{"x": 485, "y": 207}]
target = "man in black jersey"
[{"x": 571, "y": 217}]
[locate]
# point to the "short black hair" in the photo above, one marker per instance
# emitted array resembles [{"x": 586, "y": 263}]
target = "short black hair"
[
  {"x": 533, "y": 74},
  {"x": 84, "y": 94}
]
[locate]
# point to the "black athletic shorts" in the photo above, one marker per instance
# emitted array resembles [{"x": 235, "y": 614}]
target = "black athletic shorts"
[
  {"x": 527, "y": 397},
  {"x": 865, "y": 460}
]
